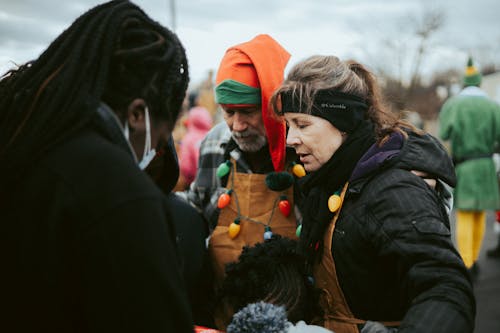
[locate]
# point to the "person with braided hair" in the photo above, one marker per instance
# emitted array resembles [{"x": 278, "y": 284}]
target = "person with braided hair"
[
  {"x": 88, "y": 239},
  {"x": 375, "y": 232}
]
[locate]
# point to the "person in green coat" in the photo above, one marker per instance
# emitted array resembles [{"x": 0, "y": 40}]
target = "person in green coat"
[{"x": 471, "y": 122}]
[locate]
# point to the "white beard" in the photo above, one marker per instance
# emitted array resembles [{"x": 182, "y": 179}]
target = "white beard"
[{"x": 249, "y": 146}]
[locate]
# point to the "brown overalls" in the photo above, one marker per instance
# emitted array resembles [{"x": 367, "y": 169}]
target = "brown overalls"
[
  {"x": 337, "y": 315},
  {"x": 256, "y": 201}
]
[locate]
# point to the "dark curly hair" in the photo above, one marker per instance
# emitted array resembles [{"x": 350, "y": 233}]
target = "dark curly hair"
[
  {"x": 113, "y": 53},
  {"x": 273, "y": 272}
]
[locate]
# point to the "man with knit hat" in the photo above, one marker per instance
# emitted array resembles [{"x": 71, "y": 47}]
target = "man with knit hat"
[
  {"x": 471, "y": 121},
  {"x": 237, "y": 155}
]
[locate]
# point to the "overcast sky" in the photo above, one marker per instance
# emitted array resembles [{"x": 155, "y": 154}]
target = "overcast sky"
[{"x": 349, "y": 29}]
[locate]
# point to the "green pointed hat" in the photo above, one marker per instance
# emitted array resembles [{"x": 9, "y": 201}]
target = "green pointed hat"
[{"x": 472, "y": 77}]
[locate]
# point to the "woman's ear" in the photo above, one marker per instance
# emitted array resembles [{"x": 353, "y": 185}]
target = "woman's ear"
[{"x": 136, "y": 115}]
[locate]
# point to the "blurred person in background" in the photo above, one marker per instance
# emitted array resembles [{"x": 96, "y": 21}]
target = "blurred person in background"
[
  {"x": 471, "y": 122},
  {"x": 88, "y": 242},
  {"x": 198, "y": 123}
]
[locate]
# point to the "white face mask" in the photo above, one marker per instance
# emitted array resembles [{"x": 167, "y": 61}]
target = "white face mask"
[{"x": 148, "y": 153}]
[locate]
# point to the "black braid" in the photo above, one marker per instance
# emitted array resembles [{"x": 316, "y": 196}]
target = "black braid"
[{"x": 113, "y": 53}]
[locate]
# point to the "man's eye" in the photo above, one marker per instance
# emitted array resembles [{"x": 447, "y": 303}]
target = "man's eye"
[
  {"x": 301, "y": 126},
  {"x": 229, "y": 113}
]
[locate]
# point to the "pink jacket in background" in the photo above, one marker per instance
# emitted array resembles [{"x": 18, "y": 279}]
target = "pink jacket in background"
[{"x": 199, "y": 122}]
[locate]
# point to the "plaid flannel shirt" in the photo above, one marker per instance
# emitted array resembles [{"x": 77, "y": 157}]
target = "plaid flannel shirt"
[{"x": 205, "y": 190}]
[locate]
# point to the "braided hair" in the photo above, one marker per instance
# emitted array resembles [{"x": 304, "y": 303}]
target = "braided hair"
[
  {"x": 113, "y": 53},
  {"x": 273, "y": 272}
]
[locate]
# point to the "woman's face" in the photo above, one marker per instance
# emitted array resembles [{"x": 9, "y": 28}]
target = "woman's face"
[{"x": 314, "y": 139}]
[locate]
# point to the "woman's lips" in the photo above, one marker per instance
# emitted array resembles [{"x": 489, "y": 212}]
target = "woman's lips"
[{"x": 303, "y": 157}]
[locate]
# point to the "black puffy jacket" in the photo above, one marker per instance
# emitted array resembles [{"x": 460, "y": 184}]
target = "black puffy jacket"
[{"x": 392, "y": 247}]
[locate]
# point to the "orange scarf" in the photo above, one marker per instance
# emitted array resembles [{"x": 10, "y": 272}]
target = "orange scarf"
[{"x": 260, "y": 62}]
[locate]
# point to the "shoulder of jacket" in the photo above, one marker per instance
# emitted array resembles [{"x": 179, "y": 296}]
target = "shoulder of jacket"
[
  {"x": 391, "y": 179},
  {"x": 219, "y": 132},
  {"x": 215, "y": 140}
]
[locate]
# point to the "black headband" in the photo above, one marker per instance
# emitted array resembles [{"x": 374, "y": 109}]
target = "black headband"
[{"x": 344, "y": 111}]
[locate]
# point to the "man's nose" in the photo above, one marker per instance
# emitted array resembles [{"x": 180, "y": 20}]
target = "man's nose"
[{"x": 239, "y": 122}]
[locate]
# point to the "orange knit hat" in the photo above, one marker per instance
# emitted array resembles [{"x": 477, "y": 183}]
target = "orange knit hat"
[{"x": 260, "y": 63}]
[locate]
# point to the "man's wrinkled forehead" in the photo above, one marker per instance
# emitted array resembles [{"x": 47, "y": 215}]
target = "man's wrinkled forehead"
[{"x": 245, "y": 108}]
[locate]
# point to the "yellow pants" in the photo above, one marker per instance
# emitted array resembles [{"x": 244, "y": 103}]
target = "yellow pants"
[{"x": 470, "y": 231}]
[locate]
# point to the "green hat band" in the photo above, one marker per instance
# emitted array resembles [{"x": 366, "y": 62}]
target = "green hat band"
[
  {"x": 472, "y": 77},
  {"x": 234, "y": 92},
  {"x": 472, "y": 80}
]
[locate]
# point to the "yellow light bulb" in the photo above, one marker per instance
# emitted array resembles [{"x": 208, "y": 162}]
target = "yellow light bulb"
[
  {"x": 334, "y": 203},
  {"x": 298, "y": 170},
  {"x": 234, "y": 230}
]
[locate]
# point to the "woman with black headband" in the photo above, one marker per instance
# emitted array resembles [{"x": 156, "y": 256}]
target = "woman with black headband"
[
  {"x": 87, "y": 238},
  {"x": 375, "y": 232}
]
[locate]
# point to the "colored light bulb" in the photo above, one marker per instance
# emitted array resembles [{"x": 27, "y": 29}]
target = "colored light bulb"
[
  {"x": 234, "y": 229},
  {"x": 223, "y": 169},
  {"x": 298, "y": 170},
  {"x": 224, "y": 200},
  {"x": 284, "y": 206},
  {"x": 298, "y": 230},
  {"x": 268, "y": 234},
  {"x": 334, "y": 203}
]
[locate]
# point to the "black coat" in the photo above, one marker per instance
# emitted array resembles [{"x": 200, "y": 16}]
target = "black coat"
[
  {"x": 392, "y": 248},
  {"x": 88, "y": 246}
]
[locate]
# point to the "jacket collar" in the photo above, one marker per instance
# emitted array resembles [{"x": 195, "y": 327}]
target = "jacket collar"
[{"x": 418, "y": 152}]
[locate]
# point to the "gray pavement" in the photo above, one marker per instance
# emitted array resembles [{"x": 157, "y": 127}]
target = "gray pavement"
[{"x": 487, "y": 287}]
